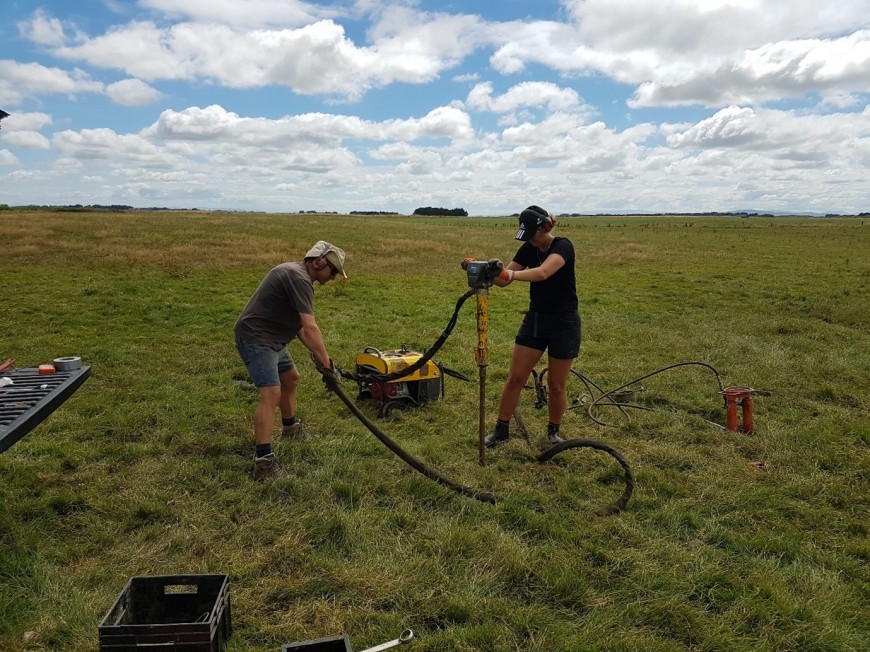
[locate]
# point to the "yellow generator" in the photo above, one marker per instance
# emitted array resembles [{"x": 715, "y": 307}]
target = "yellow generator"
[{"x": 418, "y": 388}]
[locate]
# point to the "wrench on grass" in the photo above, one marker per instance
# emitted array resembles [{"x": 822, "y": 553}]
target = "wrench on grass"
[{"x": 404, "y": 637}]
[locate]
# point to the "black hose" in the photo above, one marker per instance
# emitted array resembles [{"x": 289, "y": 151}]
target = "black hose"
[
  {"x": 483, "y": 496},
  {"x": 551, "y": 452},
  {"x": 620, "y": 504},
  {"x": 376, "y": 377}
]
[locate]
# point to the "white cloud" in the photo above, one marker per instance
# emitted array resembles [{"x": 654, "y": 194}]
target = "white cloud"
[
  {"x": 139, "y": 48},
  {"x": 771, "y": 72},
  {"x": 26, "y": 121},
  {"x": 105, "y": 144},
  {"x": 696, "y": 28},
  {"x": 709, "y": 52},
  {"x": 214, "y": 123},
  {"x": 316, "y": 58},
  {"x": 8, "y": 158},
  {"x": 250, "y": 13},
  {"x": 132, "y": 92},
  {"x": 25, "y": 139},
  {"x": 838, "y": 100},
  {"x": 42, "y": 29},
  {"x": 524, "y": 95},
  {"x": 836, "y": 140},
  {"x": 21, "y": 80}
]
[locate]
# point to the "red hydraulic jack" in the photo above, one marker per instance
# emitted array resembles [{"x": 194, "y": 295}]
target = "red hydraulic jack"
[{"x": 733, "y": 396}]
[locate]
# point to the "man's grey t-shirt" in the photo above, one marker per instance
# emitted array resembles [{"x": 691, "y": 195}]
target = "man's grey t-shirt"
[{"x": 272, "y": 314}]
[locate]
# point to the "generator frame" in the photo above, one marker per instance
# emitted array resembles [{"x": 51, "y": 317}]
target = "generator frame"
[{"x": 416, "y": 389}]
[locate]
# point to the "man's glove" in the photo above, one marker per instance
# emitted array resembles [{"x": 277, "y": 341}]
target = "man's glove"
[{"x": 328, "y": 372}]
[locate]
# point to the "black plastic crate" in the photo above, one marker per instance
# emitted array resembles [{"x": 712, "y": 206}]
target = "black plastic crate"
[
  {"x": 332, "y": 644},
  {"x": 189, "y": 613}
]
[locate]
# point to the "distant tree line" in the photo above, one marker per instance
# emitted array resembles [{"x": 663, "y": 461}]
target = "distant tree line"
[
  {"x": 449, "y": 212},
  {"x": 425, "y": 211}
]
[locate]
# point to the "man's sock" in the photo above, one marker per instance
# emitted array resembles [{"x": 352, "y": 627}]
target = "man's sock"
[
  {"x": 553, "y": 428},
  {"x": 261, "y": 450},
  {"x": 289, "y": 422},
  {"x": 502, "y": 426}
]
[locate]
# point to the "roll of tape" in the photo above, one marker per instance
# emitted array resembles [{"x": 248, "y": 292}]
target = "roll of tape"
[{"x": 68, "y": 364}]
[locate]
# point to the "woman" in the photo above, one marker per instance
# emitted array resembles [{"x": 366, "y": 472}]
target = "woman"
[{"x": 551, "y": 324}]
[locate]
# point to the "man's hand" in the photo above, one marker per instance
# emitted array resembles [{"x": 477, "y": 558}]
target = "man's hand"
[{"x": 330, "y": 371}]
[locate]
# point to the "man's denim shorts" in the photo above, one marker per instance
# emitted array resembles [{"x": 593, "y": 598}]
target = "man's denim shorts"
[{"x": 264, "y": 363}]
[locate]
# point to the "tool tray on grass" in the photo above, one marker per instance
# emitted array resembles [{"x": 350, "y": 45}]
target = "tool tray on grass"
[{"x": 31, "y": 397}]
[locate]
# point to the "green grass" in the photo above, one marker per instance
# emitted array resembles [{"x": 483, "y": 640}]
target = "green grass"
[{"x": 145, "y": 470}]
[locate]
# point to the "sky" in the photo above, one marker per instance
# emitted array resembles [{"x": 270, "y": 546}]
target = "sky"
[{"x": 580, "y": 106}]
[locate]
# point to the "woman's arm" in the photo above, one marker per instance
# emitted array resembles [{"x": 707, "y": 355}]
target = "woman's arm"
[{"x": 550, "y": 266}]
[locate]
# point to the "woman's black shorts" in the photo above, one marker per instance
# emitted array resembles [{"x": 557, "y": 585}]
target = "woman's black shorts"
[{"x": 558, "y": 333}]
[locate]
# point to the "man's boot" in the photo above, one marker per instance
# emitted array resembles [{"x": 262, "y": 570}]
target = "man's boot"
[{"x": 267, "y": 468}]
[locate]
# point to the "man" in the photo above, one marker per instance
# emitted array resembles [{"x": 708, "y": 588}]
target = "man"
[{"x": 280, "y": 310}]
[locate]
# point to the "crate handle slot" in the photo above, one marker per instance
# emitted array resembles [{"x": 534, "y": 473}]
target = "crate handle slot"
[{"x": 180, "y": 588}]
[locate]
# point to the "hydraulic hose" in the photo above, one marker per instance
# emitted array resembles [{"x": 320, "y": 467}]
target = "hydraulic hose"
[
  {"x": 376, "y": 377},
  {"x": 621, "y": 406},
  {"x": 483, "y": 496},
  {"x": 620, "y": 504},
  {"x": 551, "y": 452}
]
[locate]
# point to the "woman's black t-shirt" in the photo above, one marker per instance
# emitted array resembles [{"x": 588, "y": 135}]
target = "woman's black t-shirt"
[{"x": 559, "y": 292}]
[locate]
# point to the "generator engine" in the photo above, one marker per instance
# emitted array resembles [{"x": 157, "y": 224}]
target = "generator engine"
[{"x": 418, "y": 388}]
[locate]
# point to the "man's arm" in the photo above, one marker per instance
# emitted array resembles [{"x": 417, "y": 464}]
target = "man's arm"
[{"x": 312, "y": 338}]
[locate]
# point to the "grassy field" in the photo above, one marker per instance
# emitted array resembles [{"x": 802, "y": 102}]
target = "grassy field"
[{"x": 731, "y": 541}]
